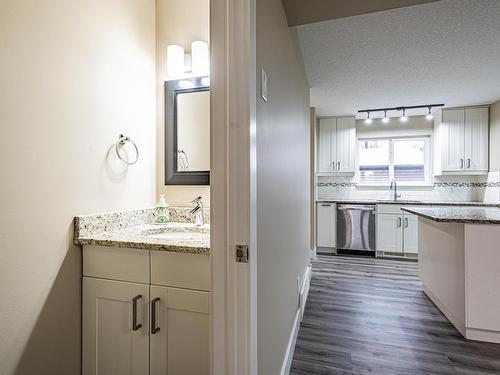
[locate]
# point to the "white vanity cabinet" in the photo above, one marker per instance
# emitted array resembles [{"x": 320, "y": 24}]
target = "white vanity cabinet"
[
  {"x": 461, "y": 141},
  {"x": 112, "y": 344},
  {"x": 137, "y": 319},
  {"x": 326, "y": 225},
  {"x": 397, "y": 231},
  {"x": 336, "y": 146}
]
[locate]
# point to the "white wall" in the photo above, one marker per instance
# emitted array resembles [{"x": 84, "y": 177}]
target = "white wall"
[
  {"x": 177, "y": 22},
  {"x": 73, "y": 74},
  {"x": 282, "y": 183}
]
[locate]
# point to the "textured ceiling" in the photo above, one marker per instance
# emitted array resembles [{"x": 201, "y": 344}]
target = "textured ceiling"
[
  {"x": 442, "y": 52},
  {"x": 299, "y": 12}
]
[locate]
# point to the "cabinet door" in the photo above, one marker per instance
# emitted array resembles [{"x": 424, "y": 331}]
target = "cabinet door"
[
  {"x": 326, "y": 234},
  {"x": 112, "y": 343},
  {"x": 390, "y": 233},
  {"x": 180, "y": 334},
  {"x": 326, "y": 146},
  {"x": 476, "y": 139},
  {"x": 410, "y": 233},
  {"x": 452, "y": 140},
  {"x": 346, "y": 144}
]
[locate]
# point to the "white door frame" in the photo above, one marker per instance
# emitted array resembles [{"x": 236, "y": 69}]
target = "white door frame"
[{"x": 233, "y": 187}]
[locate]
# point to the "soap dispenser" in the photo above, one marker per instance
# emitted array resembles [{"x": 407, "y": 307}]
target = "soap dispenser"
[{"x": 162, "y": 211}]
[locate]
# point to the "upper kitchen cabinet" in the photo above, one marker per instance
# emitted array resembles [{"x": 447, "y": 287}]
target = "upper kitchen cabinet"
[
  {"x": 336, "y": 146},
  {"x": 461, "y": 141}
]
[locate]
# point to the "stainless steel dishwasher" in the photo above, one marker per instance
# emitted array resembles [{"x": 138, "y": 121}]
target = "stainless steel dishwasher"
[{"x": 356, "y": 227}]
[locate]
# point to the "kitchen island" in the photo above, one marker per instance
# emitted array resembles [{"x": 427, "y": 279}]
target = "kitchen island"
[{"x": 459, "y": 266}]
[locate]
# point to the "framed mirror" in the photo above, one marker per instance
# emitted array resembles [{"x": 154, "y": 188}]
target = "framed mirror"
[{"x": 187, "y": 132}]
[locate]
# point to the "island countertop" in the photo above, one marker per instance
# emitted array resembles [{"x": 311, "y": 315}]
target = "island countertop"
[{"x": 464, "y": 215}]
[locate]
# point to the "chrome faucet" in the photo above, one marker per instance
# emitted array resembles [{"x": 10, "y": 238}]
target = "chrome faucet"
[
  {"x": 197, "y": 212},
  {"x": 394, "y": 186}
]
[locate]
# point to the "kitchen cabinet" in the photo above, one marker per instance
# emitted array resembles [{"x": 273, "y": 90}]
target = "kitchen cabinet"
[
  {"x": 326, "y": 224},
  {"x": 336, "y": 146},
  {"x": 461, "y": 141},
  {"x": 397, "y": 231},
  {"x": 389, "y": 233},
  {"x": 141, "y": 318}
]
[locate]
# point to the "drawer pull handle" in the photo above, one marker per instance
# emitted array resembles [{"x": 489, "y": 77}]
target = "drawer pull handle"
[
  {"x": 406, "y": 222},
  {"x": 399, "y": 222},
  {"x": 468, "y": 163},
  {"x": 135, "y": 326},
  {"x": 154, "y": 328}
]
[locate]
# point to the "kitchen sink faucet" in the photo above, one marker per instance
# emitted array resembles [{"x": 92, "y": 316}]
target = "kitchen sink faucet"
[{"x": 394, "y": 186}]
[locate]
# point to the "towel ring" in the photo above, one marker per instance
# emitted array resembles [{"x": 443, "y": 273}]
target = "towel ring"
[{"x": 122, "y": 139}]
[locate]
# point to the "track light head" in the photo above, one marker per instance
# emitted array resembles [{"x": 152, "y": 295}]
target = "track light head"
[
  {"x": 429, "y": 115},
  {"x": 368, "y": 120},
  {"x": 385, "y": 120},
  {"x": 404, "y": 118}
]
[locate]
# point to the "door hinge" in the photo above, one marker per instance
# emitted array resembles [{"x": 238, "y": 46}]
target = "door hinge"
[{"x": 242, "y": 253}]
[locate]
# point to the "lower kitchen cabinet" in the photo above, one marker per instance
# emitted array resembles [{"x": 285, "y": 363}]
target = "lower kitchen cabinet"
[
  {"x": 397, "y": 232},
  {"x": 180, "y": 330},
  {"x": 410, "y": 233},
  {"x": 113, "y": 341},
  {"x": 326, "y": 223},
  {"x": 389, "y": 233},
  {"x": 131, "y": 326}
]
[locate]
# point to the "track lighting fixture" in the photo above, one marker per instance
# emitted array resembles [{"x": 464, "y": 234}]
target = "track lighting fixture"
[
  {"x": 368, "y": 120},
  {"x": 403, "y": 118}
]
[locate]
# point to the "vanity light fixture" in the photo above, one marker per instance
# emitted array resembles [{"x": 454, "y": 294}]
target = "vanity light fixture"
[
  {"x": 385, "y": 120},
  {"x": 429, "y": 116},
  {"x": 368, "y": 120},
  {"x": 175, "y": 61},
  {"x": 404, "y": 118},
  {"x": 200, "y": 58}
]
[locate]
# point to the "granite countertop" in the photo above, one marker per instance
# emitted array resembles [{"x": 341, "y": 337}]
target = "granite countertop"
[
  {"x": 136, "y": 229},
  {"x": 176, "y": 237},
  {"x": 465, "y": 215},
  {"x": 407, "y": 202}
]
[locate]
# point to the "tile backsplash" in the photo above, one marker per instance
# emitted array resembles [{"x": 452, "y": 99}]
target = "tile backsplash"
[{"x": 449, "y": 188}]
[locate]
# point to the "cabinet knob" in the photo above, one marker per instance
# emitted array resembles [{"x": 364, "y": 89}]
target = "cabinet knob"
[
  {"x": 468, "y": 163},
  {"x": 461, "y": 163}
]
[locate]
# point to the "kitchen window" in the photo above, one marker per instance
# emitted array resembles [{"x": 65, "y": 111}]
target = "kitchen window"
[{"x": 407, "y": 160}]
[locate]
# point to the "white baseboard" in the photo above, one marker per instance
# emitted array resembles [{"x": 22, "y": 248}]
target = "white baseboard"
[
  {"x": 482, "y": 335},
  {"x": 304, "y": 292}
]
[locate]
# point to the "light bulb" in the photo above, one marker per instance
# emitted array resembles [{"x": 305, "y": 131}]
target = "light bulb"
[
  {"x": 368, "y": 120},
  {"x": 200, "y": 58},
  {"x": 403, "y": 118},
  {"x": 385, "y": 120},
  {"x": 175, "y": 61},
  {"x": 429, "y": 116}
]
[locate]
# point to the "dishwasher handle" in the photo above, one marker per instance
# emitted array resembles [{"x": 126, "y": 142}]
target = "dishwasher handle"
[{"x": 357, "y": 207}]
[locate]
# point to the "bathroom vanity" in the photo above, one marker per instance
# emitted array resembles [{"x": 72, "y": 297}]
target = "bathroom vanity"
[{"x": 146, "y": 295}]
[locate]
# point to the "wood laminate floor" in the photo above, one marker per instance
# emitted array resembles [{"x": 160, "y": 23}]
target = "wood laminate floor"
[{"x": 370, "y": 316}]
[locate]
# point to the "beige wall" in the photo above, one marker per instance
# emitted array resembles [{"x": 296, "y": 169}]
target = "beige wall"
[
  {"x": 177, "y": 22},
  {"x": 495, "y": 137},
  {"x": 73, "y": 74},
  {"x": 283, "y": 185}
]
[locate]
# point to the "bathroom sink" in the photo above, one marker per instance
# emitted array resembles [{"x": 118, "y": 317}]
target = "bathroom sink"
[{"x": 175, "y": 228}]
